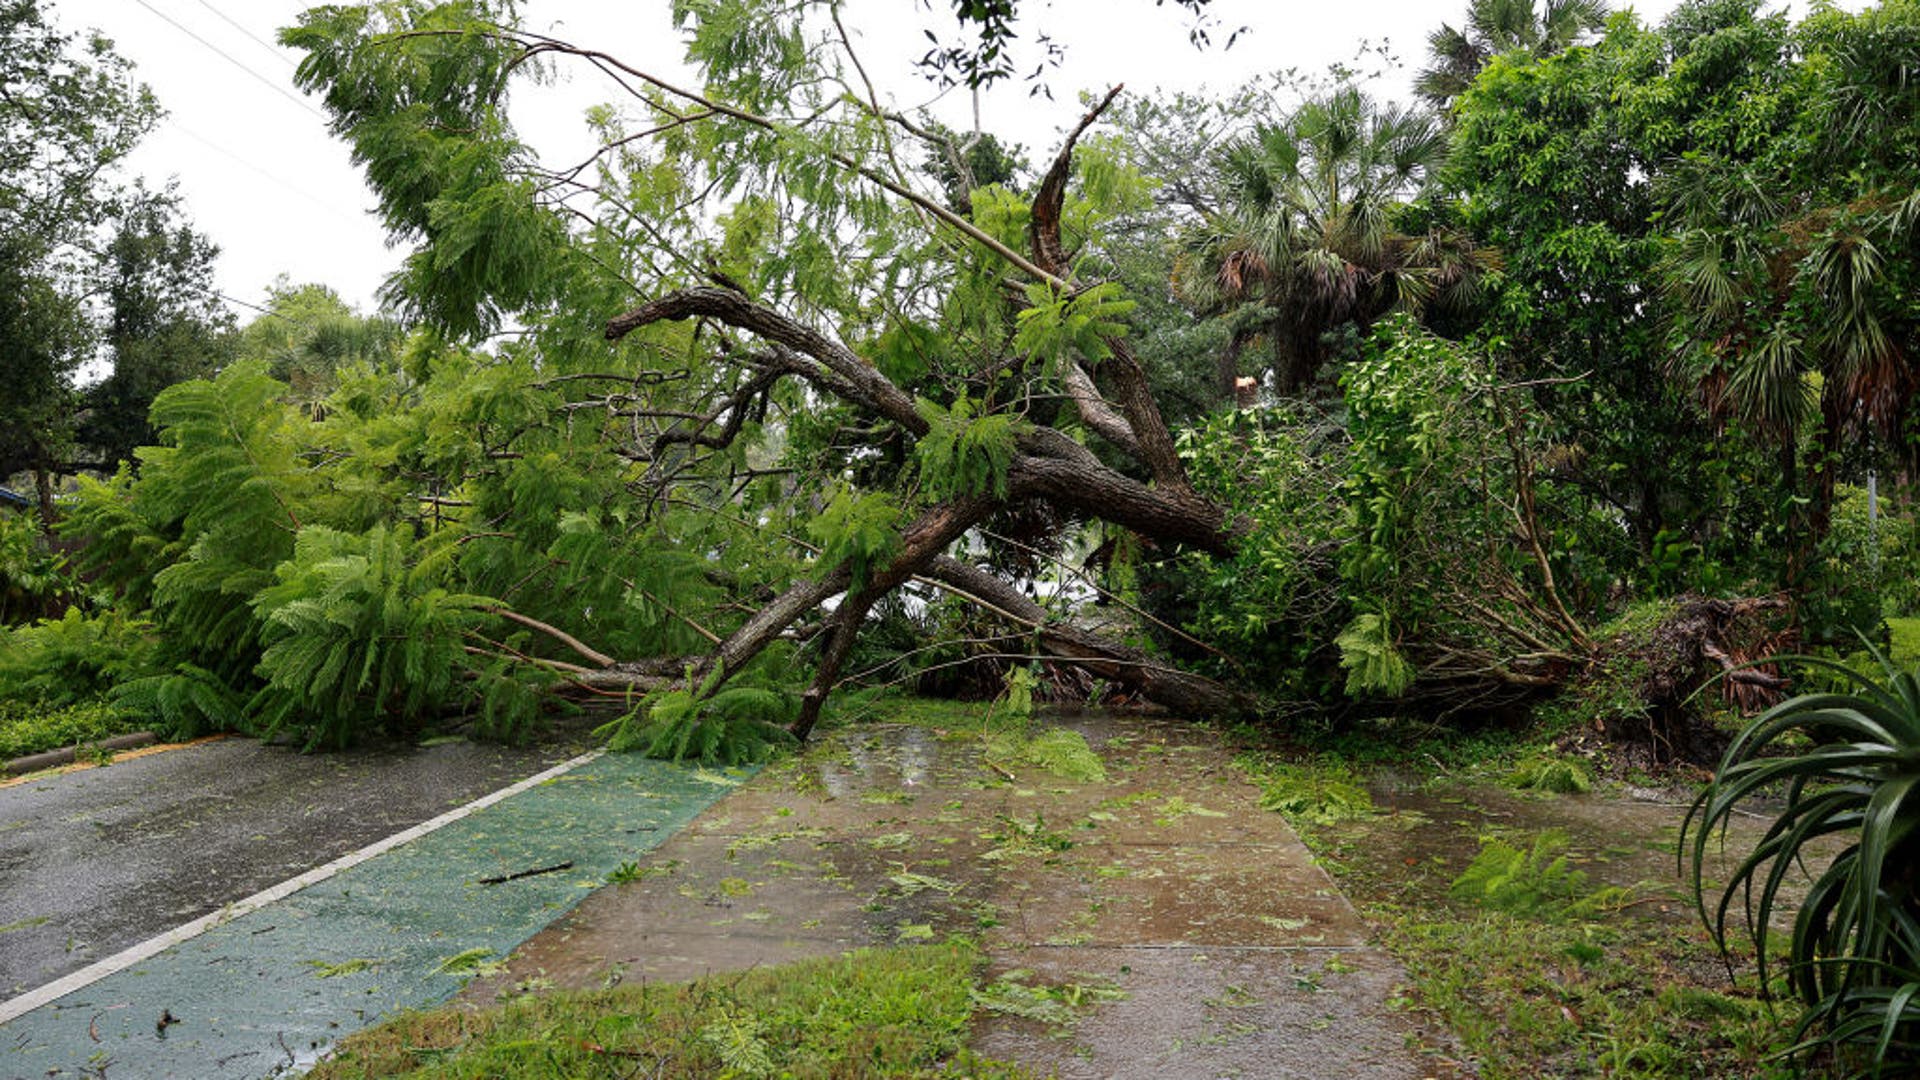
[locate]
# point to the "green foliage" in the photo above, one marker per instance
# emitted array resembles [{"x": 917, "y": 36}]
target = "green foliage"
[
  {"x": 1313, "y": 794},
  {"x": 1053, "y": 326},
  {"x": 1057, "y": 1007},
  {"x": 963, "y": 452},
  {"x": 1373, "y": 665},
  {"x": 184, "y": 703},
  {"x": 1060, "y": 751},
  {"x": 735, "y": 726},
  {"x": 1532, "y": 880},
  {"x": 1386, "y": 557},
  {"x": 71, "y": 659},
  {"x": 1016, "y": 699},
  {"x": 358, "y": 635},
  {"x": 860, "y": 531},
  {"x": 1553, "y": 772},
  {"x": 28, "y": 728},
  {"x": 34, "y": 579},
  {"x": 1847, "y": 762}
]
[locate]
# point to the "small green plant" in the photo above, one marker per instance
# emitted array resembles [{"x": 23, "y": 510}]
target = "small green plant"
[
  {"x": 95, "y": 755},
  {"x": 1314, "y": 795},
  {"x": 626, "y": 874},
  {"x": 1016, "y": 702},
  {"x": 1557, "y": 773},
  {"x": 1532, "y": 880},
  {"x": 1848, "y": 765}
]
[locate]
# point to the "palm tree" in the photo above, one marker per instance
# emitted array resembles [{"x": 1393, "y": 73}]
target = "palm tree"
[
  {"x": 1792, "y": 318},
  {"x": 1494, "y": 27},
  {"x": 1308, "y": 244}
]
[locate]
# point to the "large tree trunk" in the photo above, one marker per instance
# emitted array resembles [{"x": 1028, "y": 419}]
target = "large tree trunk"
[
  {"x": 1047, "y": 465},
  {"x": 43, "y": 492},
  {"x": 1189, "y": 695}
]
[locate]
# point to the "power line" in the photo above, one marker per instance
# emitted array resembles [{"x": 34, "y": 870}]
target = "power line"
[
  {"x": 276, "y": 87},
  {"x": 270, "y": 47},
  {"x": 316, "y": 200}
]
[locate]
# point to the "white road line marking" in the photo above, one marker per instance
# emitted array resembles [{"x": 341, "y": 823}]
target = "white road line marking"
[{"x": 14, "y": 1008}]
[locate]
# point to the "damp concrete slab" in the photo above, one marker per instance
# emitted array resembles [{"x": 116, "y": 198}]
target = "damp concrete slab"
[
  {"x": 266, "y": 992},
  {"x": 1219, "y": 946},
  {"x": 1302, "y": 1014}
]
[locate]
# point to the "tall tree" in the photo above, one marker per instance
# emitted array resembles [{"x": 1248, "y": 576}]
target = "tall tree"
[
  {"x": 1796, "y": 239},
  {"x": 907, "y": 363},
  {"x": 69, "y": 112},
  {"x": 161, "y": 323},
  {"x": 99, "y": 271},
  {"x": 1305, "y": 240},
  {"x": 1457, "y": 56}
]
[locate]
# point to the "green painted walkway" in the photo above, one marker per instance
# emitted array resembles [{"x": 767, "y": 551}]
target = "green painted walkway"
[{"x": 266, "y": 992}]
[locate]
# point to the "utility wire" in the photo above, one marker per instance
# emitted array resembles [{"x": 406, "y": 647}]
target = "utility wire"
[
  {"x": 223, "y": 54},
  {"x": 257, "y": 40},
  {"x": 316, "y": 200}
]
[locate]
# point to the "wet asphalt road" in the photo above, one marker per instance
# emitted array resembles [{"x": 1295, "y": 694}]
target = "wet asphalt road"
[{"x": 92, "y": 862}]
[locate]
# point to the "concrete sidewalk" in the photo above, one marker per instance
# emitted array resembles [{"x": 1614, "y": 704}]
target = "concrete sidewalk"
[
  {"x": 1185, "y": 931},
  {"x": 266, "y": 991}
]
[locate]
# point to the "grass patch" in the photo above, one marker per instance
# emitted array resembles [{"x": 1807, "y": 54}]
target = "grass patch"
[
  {"x": 1536, "y": 971},
  {"x": 1532, "y": 998},
  {"x": 900, "y": 1012},
  {"x": 30, "y": 729},
  {"x": 891, "y": 706}
]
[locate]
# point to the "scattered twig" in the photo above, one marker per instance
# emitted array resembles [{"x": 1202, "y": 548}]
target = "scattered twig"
[{"x": 554, "y": 869}]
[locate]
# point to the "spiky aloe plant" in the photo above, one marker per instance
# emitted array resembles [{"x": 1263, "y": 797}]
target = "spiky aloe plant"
[{"x": 1854, "y": 957}]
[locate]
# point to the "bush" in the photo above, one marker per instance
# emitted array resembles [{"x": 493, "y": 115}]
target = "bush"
[
  {"x": 30, "y": 729},
  {"x": 74, "y": 658},
  {"x": 1853, "y": 959}
]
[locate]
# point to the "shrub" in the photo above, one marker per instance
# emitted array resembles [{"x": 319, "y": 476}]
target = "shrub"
[
  {"x": 1853, "y": 959},
  {"x": 29, "y": 729},
  {"x": 70, "y": 659}
]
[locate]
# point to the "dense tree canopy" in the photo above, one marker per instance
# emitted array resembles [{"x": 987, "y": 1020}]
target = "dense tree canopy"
[
  {"x": 103, "y": 272},
  {"x": 780, "y": 382}
]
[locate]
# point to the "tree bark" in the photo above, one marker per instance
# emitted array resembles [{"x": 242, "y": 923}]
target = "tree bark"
[{"x": 1191, "y": 696}]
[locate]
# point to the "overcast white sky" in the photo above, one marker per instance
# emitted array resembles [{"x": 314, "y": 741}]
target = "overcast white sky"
[{"x": 261, "y": 176}]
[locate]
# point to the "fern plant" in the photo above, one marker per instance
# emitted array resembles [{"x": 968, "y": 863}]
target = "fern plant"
[
  {"x": 1533, "y": 880},
  {"x": 738, "y": 725},
  {"x": 183, "y": 703},
  {"x": 1853, "y": 959},
  {"x": 73, "y": 658},
  {"x": 358, "y": 636},
  {"x": 963, "y": 453}
]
